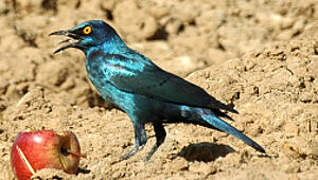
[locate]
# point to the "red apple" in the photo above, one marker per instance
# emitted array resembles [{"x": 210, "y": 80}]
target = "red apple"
[{"x": 32, "y": 151}]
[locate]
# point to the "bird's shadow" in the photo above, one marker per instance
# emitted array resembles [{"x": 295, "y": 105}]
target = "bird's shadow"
[{"x": 204, "y": 151}]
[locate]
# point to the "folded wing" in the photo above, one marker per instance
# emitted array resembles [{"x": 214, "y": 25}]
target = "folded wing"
[{"x": 138, "y": 75}]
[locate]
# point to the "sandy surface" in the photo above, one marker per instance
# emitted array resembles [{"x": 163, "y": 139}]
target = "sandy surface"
[{"x": 261, "y": 56}]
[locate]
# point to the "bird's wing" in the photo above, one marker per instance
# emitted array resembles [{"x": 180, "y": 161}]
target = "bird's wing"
[{"x": 143, "y": 77}]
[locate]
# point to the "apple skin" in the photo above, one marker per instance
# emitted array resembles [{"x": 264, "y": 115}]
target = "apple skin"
[{"x": 32, "y": 151}]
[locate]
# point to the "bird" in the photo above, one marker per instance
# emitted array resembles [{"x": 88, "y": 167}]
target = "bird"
[{"x": 132, "y": 83}]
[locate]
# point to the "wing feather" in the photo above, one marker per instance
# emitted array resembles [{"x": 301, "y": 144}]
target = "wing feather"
[{"x": 139, "y": 75}]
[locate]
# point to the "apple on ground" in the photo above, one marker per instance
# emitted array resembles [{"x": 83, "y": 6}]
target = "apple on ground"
[{"x": 32, "y": 151}]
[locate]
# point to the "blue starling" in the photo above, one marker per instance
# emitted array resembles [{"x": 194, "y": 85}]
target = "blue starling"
[{"x": 132, "y": 83}]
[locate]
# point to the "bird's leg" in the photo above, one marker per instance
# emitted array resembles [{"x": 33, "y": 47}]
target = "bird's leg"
[
  {"x": 140, "y": 137},
  {"x": 160, "y": 137}
]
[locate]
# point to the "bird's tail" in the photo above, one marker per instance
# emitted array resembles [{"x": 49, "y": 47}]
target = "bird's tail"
[{"x": 214, "y": 121}]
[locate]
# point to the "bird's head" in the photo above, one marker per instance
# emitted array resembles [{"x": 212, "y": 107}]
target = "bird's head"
[{"x": 87, "y": 35}]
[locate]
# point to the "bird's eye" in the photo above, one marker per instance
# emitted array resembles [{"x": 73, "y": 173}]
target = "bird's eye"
[{"x": 87, "y": 30}]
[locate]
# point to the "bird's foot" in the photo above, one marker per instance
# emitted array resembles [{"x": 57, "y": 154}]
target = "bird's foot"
[
  {"x": 151, "y": 152},
  {"x": 132, "y": 152}
]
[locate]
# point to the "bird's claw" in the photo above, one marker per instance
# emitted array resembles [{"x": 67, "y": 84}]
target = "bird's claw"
[
  {"x": 132, "y": 152},
  {"x": 152, "y": 151}
]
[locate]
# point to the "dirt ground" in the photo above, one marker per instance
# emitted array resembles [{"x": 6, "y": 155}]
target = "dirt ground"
[{"x": 260, "y": 56}]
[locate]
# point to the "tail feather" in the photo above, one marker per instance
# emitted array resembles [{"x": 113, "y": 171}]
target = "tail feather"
[
  {"x": 219, "y": 113},
  {"x": 223, "y": 126}
]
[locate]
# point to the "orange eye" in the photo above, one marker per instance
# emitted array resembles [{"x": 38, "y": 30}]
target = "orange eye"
[{"x": 87, "y": 30}]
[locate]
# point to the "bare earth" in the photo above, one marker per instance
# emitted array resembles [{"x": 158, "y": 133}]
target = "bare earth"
[{"x": 261, "y": 56}]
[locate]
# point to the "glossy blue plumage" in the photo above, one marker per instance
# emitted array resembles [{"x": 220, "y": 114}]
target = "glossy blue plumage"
[{"x": 131, "y": 82}]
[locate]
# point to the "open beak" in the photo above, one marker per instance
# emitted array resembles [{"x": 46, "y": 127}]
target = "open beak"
[{"x": 70, "y": 43}]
